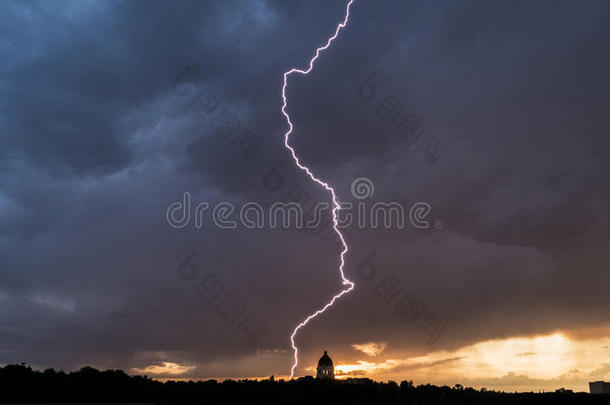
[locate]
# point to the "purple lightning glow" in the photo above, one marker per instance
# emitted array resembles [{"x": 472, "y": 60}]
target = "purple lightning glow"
[{"x": 336, "y": 207}]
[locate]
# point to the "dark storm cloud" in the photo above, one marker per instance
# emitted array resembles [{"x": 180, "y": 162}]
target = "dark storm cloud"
[{"x": 96, "y": 144}]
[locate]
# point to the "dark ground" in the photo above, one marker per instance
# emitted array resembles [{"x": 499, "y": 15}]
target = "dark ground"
[{"x": 21, "y": 384}]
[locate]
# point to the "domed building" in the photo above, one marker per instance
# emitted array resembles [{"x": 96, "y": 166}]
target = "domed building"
[{"x": 326, "y": 370}]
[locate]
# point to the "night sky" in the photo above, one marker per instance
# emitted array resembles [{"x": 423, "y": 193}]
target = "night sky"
[{"x": 105, "y": 121}]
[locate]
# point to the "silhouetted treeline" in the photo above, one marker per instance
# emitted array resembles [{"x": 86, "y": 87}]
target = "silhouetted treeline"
[{"x": 21, "y": 384}]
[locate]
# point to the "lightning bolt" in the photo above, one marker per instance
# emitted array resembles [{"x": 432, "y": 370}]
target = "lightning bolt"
[{"x": 349, "y": 285}]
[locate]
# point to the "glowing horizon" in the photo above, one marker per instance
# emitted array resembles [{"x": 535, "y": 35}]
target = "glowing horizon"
[{"x": 520, "y": 363}]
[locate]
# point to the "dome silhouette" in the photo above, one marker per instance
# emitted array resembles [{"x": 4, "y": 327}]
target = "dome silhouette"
[{"x": 326, "y": 370}]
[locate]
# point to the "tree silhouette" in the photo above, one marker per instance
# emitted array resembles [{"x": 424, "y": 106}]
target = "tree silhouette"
[{"x": 21, "y": 384}]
